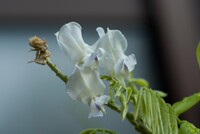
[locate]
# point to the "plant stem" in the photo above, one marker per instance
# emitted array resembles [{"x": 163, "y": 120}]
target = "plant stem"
[{"x": 56, "y": 70}]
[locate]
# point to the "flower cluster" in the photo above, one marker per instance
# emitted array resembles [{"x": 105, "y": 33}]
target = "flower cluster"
[{"x": 107, "y": 53}]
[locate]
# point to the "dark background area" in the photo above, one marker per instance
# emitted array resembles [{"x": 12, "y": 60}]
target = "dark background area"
[{"x": 162, "y": 34}]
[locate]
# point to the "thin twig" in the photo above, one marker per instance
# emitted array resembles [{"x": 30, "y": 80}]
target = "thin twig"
[{"x": 56, "y": 70}]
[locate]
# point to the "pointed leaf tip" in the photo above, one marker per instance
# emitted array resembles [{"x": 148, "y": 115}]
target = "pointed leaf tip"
[{"x": 198, "y": 53}]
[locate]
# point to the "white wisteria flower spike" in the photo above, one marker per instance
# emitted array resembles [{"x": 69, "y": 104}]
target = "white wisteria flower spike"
[
  {"x": 72, "y": 44},
  {"x": 110, "y": 48},
  {"x": 86, "y": 86}
]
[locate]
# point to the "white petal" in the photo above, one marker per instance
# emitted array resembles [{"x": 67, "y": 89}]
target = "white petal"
[
  {"x": 100, "y": 31},
  {"x": 102, "y": 99},
  {"x": 71, "y": 42},
  {"x": 94, "y": 111},
  {"x": 84, "y": 84},
  {"x": 113, "y": 42},
  {"x": 130, "y": 62},
  {"x": 117, "y": 40},
  {"x": 96, "y": 106},
  {"x": 91, "y": 60},
  {"x": 110, "y": 47},
  {"x": 119, "y": 66},
  {"x": 125, "y": 65},
  {"x": 105, "y": 60}
]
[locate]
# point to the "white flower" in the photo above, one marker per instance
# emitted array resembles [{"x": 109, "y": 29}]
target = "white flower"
[
  {"x": 96, "y": 106},
  {"x": 71, "y": 43},
  {"x": 86, "y": 86},
  {"x": 110, "y": 49},
  {"x": 125, "y": 65}
]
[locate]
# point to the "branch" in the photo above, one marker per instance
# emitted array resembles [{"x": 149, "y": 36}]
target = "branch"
[{"x": 56, "y": 70}]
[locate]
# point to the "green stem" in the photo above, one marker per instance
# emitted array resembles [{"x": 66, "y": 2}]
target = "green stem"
[{"x": 56, "y": 71}]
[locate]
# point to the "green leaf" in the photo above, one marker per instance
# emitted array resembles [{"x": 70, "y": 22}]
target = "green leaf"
[
  {"x": 128, "y": 94},
  {"x": 198, "y": 53},
  {"x": 141, "y": 82},
  {"x": 161, "y": 93},
  {"x": 173, "y": 120},
  {"x": 97, "y": 131},
  {"x": 124, "y": 112},
  {"x": 124, "y": 106},
  {"x": 188, "y": 128},
  {"x": 151, "y": 110},
  {"x": 138, "y": 104},
  {"x": 87, "y": 131},
  {"x": 118, "y": 90},
  {"x": 187, "y": 103}
]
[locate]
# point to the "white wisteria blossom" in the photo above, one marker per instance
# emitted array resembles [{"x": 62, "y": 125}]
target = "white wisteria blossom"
[
  {"x": 86, "y": 86},
  {"x": 70, "y": 40},
  {"x": 96, "y": 106},
  {"x": 110, "y": 49}
]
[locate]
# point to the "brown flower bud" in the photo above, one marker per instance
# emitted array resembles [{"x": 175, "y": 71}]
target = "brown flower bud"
[
  {"x": 40, "y": 46},
  {"x": 37, "y": 43}
]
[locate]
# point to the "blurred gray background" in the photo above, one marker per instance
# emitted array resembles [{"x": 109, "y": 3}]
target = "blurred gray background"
[{"x": 162, "y": 34}]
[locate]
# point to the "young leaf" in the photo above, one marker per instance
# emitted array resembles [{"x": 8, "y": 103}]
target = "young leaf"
[
  {"x": 118, "y": 90},
  {"x": 141, "y": 82},
  {"x": 97, "y": 131},
  {"x": 124, "y": 106},
  {"x": 198, "y": 54},
  {"x": 188, "y": 128},
  {"x": 161, "y": 93},
  {"x": 128, "y": 94},
  {"x": 137, "y": 105},
  {"x": 185, "y": 104},
  {"x": 87, "y": 131},
  {"x": 151, "y": 110}
]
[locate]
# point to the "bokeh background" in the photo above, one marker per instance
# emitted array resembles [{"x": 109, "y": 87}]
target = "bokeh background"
[{"x": 162, "y": 34}]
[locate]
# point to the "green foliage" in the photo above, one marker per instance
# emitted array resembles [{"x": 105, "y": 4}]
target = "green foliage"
[
  {"x": 151, "y": 110},
  {"x": 198, "y": 54},
  {"x": 160, "y": 93},
  {"x": 151, "y": 114},
  {"x": 97, "y": 131},
  {"x": 187, "y": 103},
  {"x": 124, "y": 106},
  {"x": 140, "y": 82},
  {"x": 188, "y": 128},
  {"x": 119, "y": 90}
]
